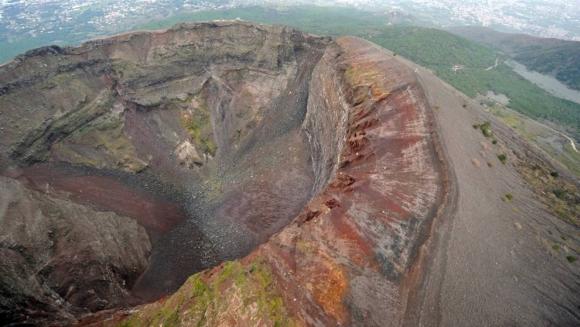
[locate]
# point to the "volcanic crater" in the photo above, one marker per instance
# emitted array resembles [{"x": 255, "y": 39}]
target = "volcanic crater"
[
  {"x": 295, "y": 177},
  {"x": 198, "y": 134},
  {"x": 198, "y": 143}
]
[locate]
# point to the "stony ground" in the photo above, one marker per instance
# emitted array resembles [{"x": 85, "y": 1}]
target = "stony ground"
[{"x": 500, "y": 255}]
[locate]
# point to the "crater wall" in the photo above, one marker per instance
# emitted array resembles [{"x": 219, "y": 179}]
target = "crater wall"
[{"x": 294, "y": 177}]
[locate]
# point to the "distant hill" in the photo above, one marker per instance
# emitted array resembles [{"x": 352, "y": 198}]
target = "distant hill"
[
  {"x": 471, "y": 68},
  {"x": 441, "y": 51},
  {"x": 559, "y": 58}
]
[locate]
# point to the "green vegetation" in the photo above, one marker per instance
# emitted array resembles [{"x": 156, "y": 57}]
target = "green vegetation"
[
  {"x": 441, "y": 51},
  {"x": 436, "y": 49},
  {"x": 502, "y": 158},
  {"x": 254, "y": 283},
  {"x": 509, "y": 196},
  {"x": 485, "y": 129},
  {"x": 539, "y": 134},
  {"x": 560, "y": 195},
  {"x": 199, "y": 126},
  {"x": 202, "y": 298},
  {"x": 194, "y": 126},
  {"x": 571, "y": 258}
]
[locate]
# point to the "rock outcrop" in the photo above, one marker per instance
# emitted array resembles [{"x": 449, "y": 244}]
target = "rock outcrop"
[{"x": 60, "y": 258}]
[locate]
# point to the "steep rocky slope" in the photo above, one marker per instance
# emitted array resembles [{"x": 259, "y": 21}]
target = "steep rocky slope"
[
  {"x": 59, "y": 256},
  {"x": 349, "y": 256},
  {"x": 236, "y": 174},
  {"x": 183, "y": 131}
]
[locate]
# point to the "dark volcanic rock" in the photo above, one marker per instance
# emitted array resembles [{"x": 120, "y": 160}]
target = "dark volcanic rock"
[
  {"x": 183, "y": 131},
  {"x": 60, "y": 258}
]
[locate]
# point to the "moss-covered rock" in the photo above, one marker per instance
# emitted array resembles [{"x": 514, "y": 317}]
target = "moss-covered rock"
[{"x": 232, "y": 294}]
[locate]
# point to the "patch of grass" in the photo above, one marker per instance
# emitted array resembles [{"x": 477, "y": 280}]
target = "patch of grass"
[
  {"x": 125, "y": 323},
  {"x": 509, "y": 196},
  {"x": 172, "y": 320},
  {"x": 502, "y": 158},
  {"x": 199, "y": 127},
  {"x": 203, "y": 297},
  {"x": 571, "y": 258},
  {"x": 485, "y": 129},
  {"x": 198, "y": 287},
  {"x": 556, "y": 247},
  {"x": 560, "y": 195}
]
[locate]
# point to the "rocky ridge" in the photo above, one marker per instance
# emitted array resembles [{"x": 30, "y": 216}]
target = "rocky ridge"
[{"x": 349, "y": 257}]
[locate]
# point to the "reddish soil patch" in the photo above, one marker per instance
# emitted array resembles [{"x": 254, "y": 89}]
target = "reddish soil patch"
[{"x": 107, "y": 193}]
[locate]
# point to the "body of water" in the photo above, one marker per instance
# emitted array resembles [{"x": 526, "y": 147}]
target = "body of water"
[{"x": 546, "y": 82}]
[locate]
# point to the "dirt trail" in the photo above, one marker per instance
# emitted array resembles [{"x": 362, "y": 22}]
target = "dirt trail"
[
  {"x": 494, "y": 65},
  {"x": 492, "y": 265}
]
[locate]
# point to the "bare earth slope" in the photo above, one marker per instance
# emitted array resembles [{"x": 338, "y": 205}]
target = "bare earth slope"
[{"x": 496, "y": 262}]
